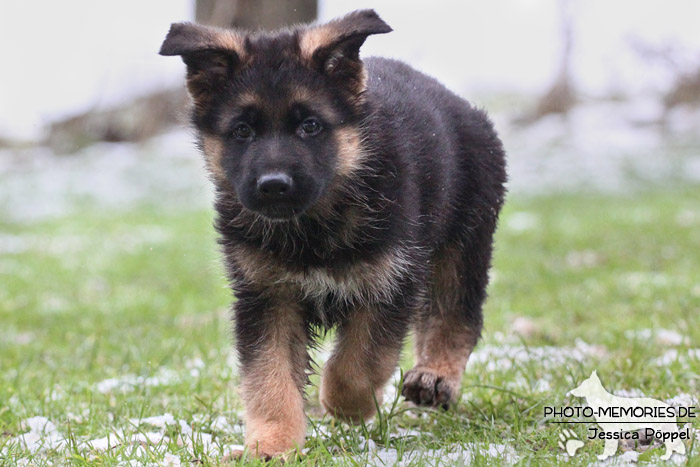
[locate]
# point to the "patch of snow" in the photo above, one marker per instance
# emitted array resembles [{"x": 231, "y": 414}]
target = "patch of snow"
[
  {"x": 42, "y": 435},
  {"x": 629, "y": 393},
  {"x": 683, "y": 400},
  {"x": 195, "y": 366},
  {"x": 391, "y": 390},
  {"x": 461, "y": 455},
  {"x": 523, "y": 326},
  {"x": 583, "y": 259},
  {"x": 187, "y": 437},
  {"x": 688, "y": 217},
  {"x": 171, "y": 460},
  {"x": 542, "y": 385},
  {"x": 160, "y": 421},
  {"x": 506, "y": 356},
  {"x": 661, "y": 336},
  {"x": 628, "y": 457},
  {"x": 673, "y": 355},
  {"x": 163, "y": 377},
  {"x": 643, "y": 279},
  {"x": 166, "y": 170},
  {"x": 522, "y": 221}
]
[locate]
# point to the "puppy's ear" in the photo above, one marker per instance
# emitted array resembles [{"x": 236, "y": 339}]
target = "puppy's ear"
[
  {"x": 212, "y": 56},
  {"x": 334, "y": 48}
]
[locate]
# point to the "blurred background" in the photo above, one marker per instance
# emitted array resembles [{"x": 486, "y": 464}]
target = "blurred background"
[
  {"x": 113, "y": 300},
  {"x": 591, "y": 95}
]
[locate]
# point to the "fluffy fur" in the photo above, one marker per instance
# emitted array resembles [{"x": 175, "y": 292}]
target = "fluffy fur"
[{"x": 357, "y": 194}]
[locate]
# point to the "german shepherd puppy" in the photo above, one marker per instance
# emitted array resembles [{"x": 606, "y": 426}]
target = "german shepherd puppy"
[{"x": 360, "y": 195}]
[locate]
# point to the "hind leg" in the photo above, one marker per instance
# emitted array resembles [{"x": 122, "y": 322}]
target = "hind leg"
[{"x": 449, "y": 325}]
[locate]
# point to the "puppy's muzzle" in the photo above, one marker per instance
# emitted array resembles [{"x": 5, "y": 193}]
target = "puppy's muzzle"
[{"x": 275, "y": 187}]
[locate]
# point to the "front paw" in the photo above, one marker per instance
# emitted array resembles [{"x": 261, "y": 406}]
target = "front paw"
[
  {"x": 265, "y": 440},
  {"x": 425, "y": 386},
  {"x": 237, "y": 455},
  {"x": 350, "y": 400}
]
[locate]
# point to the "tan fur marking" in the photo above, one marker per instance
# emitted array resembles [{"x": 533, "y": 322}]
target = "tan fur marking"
[
  {"x": 274, "y": 406},
  {"x": 248, "y": 99},
  {"x": 444, "y": 346},
  {"x": 314, "y": 38},
  {"x": 213, "y": 154},
  {"x": 443, "y": 343},
  {"x": 355, "y": 376},
  {"x": 301, "y": 94},
  {"x": 350, "y": 153},
  {"x": 372, "y": 279},
  {"x": 230, "y": 40}
]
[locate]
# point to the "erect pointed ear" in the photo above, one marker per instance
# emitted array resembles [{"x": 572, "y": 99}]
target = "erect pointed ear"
[
  {"x": 211, "y": 54},
  {"x": 334, "y": 48}
]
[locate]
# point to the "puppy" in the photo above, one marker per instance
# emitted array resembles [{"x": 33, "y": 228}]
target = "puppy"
[{"x": 353, "y": 194}]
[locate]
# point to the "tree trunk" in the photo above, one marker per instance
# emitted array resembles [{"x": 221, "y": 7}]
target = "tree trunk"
[{"x": 255, "y": 14}]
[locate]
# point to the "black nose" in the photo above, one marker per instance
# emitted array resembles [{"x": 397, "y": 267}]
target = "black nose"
[{"x": 275, "y": 186}]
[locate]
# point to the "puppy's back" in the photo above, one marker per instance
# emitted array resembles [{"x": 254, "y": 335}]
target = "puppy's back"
[{"x": 447, "y": 150}]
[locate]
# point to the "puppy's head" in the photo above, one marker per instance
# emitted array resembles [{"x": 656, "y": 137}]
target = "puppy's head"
[{"x": 278, "y": 113}]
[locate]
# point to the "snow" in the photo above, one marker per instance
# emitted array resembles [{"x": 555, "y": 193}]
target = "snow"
[
  {"x": 522, "y": 222},
  {"x": 503, "y": 357},
  {"x": 43, "y": 435},
  {"x": 674, "y": 355},
  {"x": 162, "y": 377},
  {"x": 662, "y": 336},
  {"x": 683, "y": 400},
  {"x": 460, "y": 455},
  {"x": 35, "y": 184},
  {"x": 129, "y": 382}
]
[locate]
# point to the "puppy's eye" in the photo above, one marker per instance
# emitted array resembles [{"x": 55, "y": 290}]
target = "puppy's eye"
[
  {"x": 242, "y": 131},
  {"x": 310, "y": 127}
]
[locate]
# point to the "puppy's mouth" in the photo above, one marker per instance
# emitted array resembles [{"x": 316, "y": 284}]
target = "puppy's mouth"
[{"x": 279, "y": 213}]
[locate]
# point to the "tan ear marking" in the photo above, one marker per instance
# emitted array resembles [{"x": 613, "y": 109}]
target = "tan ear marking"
[
  {"x": 315, "y": 38},
  {"x": 340, "y": 37},
  {"x": 187, "y": 38}
]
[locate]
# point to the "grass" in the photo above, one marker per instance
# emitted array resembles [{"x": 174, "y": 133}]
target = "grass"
[{"x": 111, "y": 317}]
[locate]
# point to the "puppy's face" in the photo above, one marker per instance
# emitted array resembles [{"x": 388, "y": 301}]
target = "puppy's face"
[{"x": 277, "y": 113}]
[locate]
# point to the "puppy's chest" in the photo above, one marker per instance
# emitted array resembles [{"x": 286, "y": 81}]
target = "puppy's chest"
[{"x": 362, "y": 281}]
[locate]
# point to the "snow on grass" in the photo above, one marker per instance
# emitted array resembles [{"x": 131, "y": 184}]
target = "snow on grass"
[
  {"x": 682, "y": 357},
  {"x": 522, "y": 221},
  {"x": 129, "y": 382},
  {"x": 465, "y": 454},
  {"x": 167, "y": 170},
  {"x": 43, "y": 435},
  {"x": 163, "y": 377},
  {"x": 666, "y": 337},
  {"x": 504, "y": 357},
  {"x": 683, "y": 400}
]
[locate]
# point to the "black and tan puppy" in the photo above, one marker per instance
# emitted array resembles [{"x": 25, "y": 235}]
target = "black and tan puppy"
[{"x": 360, "y": 195}]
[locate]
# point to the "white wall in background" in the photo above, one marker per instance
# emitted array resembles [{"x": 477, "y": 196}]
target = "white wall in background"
[
  {"x": 72, "y": 55},
  {"x": 62, "y": 57}
]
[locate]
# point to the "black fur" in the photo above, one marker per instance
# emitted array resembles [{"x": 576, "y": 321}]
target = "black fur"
[{"x": 431, "y": 181}]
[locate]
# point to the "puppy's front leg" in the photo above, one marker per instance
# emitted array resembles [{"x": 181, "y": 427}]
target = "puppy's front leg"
[
  {"x": 271, "y": 338},
  {"x": 365, "y": 356}
]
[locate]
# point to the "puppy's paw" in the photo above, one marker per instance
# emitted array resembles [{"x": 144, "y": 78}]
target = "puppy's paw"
[
  {"x": 280, "y": 440},
  {"x": 425, "y": 386},
  {"x": 352, "y": 402},
  {"x": 239, "y": 454}
]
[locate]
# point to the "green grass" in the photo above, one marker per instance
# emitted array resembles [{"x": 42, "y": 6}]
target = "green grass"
[{"x": 140, "y": 297}]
